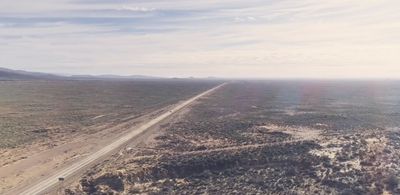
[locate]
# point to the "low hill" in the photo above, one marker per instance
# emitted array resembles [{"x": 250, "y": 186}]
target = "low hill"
[
  {"x": 8, "y": 74},
  {"x": 112, "y": 77}
]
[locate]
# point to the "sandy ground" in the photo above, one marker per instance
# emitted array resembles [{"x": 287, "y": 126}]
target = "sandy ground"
[
  {"x": 21, "y": 166},
  {"x": 18, "y": 174},
  {"x": 300, "y": 133},
  {"x": 145, "y": 141}
]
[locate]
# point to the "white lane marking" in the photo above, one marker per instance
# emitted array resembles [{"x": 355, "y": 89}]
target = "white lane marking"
[{"x": 46, "y": 184}]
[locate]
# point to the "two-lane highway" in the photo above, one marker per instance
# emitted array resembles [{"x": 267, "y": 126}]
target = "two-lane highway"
[{"x": 49, "y": 183}]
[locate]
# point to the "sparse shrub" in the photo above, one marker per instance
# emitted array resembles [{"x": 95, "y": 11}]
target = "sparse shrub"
[
  {"x": 347, "y": 192},
  {"x": 392, "y": 182},
  {"x": 68, "y": 192},
  {"x": 291, "y": 172}
]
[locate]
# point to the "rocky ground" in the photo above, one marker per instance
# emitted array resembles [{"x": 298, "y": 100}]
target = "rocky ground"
[
  {"x": 46, "y": 125},
  {"x": 41, "y": 110},
  {"x": 247, "y": 139}
]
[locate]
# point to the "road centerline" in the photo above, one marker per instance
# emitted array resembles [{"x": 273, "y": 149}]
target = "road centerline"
[{"x": 53, "y": 180}]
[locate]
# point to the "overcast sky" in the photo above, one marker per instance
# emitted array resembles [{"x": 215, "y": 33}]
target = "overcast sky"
[{"x": 229, "y": 38}]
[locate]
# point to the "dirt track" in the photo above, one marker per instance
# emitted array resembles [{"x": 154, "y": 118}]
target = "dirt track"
[{"x": 79, "y": 165}]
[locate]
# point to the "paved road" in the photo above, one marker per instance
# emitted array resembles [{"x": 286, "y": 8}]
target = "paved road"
[{"x": 52, "y": 181}]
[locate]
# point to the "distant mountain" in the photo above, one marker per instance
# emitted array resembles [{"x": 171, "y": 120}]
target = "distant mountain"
[
  {"x": 113, "y": 77},
  {"x": 8, "y": 74}
]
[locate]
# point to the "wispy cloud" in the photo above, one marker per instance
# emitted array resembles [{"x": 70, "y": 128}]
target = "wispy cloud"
[
  {"x": 136, "y": 9},
  {"x": 308, "y": 38}
]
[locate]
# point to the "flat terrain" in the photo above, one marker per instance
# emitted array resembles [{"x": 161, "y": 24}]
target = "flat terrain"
[
  {"x": 32, "y": 110},
  {"x": 46, "y": 125},
  {"x": 267, "y": 137},
  {"x": 52, "y": 181}
]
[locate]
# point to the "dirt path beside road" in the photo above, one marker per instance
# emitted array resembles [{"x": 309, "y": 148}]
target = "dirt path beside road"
[{"x": 65, "y": 164}]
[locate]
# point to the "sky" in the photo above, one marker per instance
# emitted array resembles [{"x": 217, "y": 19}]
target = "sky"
[{"x": 225, "y": 38}]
